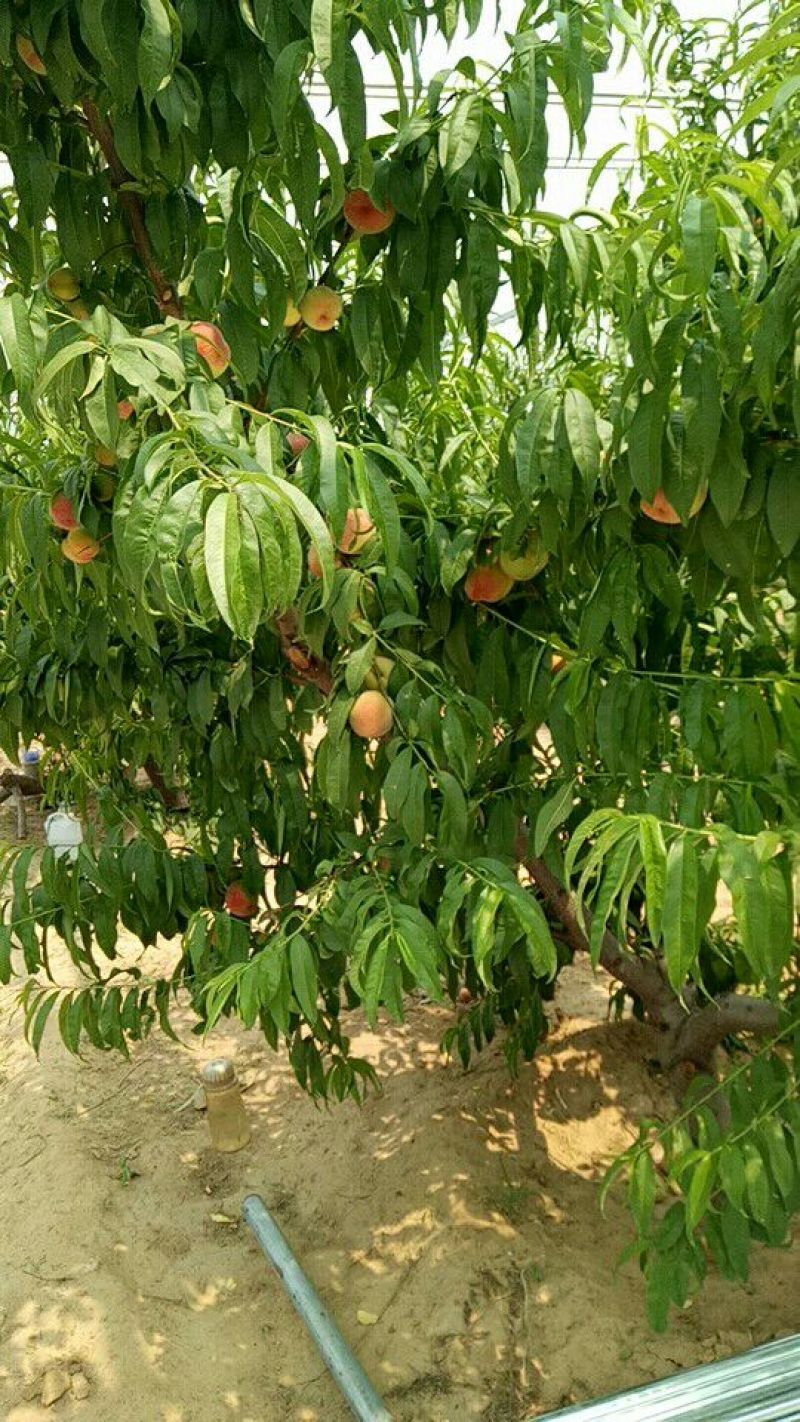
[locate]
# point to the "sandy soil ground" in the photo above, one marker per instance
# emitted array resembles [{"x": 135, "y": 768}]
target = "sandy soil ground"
[{"x": 458, "y": 1210}]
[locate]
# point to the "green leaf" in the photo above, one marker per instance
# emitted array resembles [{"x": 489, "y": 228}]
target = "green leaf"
[
  {"x": 642, "y": 1191},
  {"x": 781, "y": 1164},
  {"x": 460, "y": 132},
  {"x": 732, "y": 1174},
  {"x": 158, "y": 50},
  {"x": 699, "y": 233},
  {"x": 757, "y": 1183},
  {"x": 728, "y": 475},
  {"x": 654, "y": 855},
  {"x": 381, "y": 502},
  {"x": 284, "y": 242},
  {"x": 679, "y": 927},
  {"x": 701, "y": 1188},
  {"x": 17, "y": 340},
  {"x": 359, "y": 664},
  {"x": 581, "y": 422},
  {"x": 452, "y": 832},
  {"x": 553, "y": 813},
  {"x": 483, "y": 931},
  {"x": 783, "y": 505},
  {"x": 327, "y": 24},
  {"x": 58, "y": 363},
  {"x": 645, "y": 437},
  {"x": 233, "y": 564},
  {"x": 305, "y": 985}
]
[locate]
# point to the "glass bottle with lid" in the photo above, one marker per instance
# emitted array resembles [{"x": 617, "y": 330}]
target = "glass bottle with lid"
[{"x": 227, "y": 1118}]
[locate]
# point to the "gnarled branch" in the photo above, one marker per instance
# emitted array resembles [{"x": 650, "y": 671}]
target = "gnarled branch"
[
  {"x": 639, "y": 976},
  {"x": 726, "y": 1016}
]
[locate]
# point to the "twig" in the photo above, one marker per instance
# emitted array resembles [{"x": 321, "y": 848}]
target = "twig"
[{"x": 131, "y": 204}]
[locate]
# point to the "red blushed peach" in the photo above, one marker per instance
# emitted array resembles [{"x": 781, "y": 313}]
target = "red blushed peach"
[
  {"x": 321, "y": 308},
  {"x": 239, "y": 903},
  {"x": 358, "y": 530},
  {"x": 80, "y": 547},
  {"x": 125, "y": 409},
  {"x": 661, "y": 510},
  {"x": 211, "y": 346},
  {"x": 364, "y": 217},
  {"x": 297, "y": 442},
  {"x": 315, "y": 567},
  {"x": 62, "y": 513},
  {"x": 487, "y": 583},
  {"x": 371, "y": 716}
]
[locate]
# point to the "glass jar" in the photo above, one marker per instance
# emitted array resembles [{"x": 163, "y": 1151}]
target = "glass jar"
[{"x": 227, "y": 1118}]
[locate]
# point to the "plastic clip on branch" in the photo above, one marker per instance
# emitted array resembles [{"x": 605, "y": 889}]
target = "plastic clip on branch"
[{"x": 356, "y": 1387}]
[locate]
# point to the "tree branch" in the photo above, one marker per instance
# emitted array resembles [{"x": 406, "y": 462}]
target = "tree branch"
[
  {"x": 728, "y": 1015},
  {"x": 131, "y": 204},
  {"x": 639, "y": 976},
  {"x": 307, "y": 670}
]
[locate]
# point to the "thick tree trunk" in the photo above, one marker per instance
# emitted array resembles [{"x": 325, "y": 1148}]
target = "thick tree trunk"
[{"x": 689, "y": 1028}]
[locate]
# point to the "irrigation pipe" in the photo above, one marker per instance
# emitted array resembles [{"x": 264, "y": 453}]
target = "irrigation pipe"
[
  {"x": 762, "y": 1385},
  {"x": 353, "y": 1382}
]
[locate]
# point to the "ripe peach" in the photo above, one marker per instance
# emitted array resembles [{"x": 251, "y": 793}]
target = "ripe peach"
[
  {"x": 528, "y": 563},
  {"x": 80, "y": 547},
  {"x": 358, "y": 530},
  {"x": 105, "y": 457},
  {"x": 62, "y": 513},
  {"x": 239, "y": 903},
  {"x": 464, "y": 996},
  {"x": 30, "y": 56},
  {"x": 297, "y": 442},
  {"x": 371, "y": 716},
  {"x": 487, "y": 583},
  {"x": 63, "y": 285},
  {"x": 321, "y": 308},
  {"x": 362, "y": 214},
  {"x": 292, "y": 314},
  {"x": 125, "y": 409},
  {"x": 557, "y": 663},
  {"x": 315, "y": 567},
  {"x": 211, "y": 346},
  {"x": 661, "y": 510}
]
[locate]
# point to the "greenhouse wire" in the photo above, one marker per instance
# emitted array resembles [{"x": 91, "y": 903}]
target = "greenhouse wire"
[{"x": 762, "y": 1385}]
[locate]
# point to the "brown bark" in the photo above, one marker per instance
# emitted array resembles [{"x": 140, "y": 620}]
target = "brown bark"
[
  {"x": 689, "y": 1031},
  {"x": 732, "y": 1013},
  {"x": 637, "y": 974},
  {"x": 306, "y": 669},
  {"x": 170, "y": 797},
  {"x": 131, "y": 205},
  {"x": 16, "y": 780}
]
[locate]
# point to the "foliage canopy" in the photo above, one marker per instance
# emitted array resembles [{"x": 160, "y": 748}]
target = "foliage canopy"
[{"x": 617, "y": 736}]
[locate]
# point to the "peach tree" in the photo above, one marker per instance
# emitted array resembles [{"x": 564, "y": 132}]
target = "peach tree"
[{"x": 380, "y": 653}]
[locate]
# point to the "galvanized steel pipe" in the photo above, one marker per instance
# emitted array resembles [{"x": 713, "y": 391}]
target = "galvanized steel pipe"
[
  {"x": 361, "y": 1396},
  {"x": 762, "y": 1385}
]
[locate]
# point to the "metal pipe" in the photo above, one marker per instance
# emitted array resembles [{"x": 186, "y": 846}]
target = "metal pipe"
[
  {"x": 762, "y": 1385},
  {"x": 363, "y": 1400}
]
